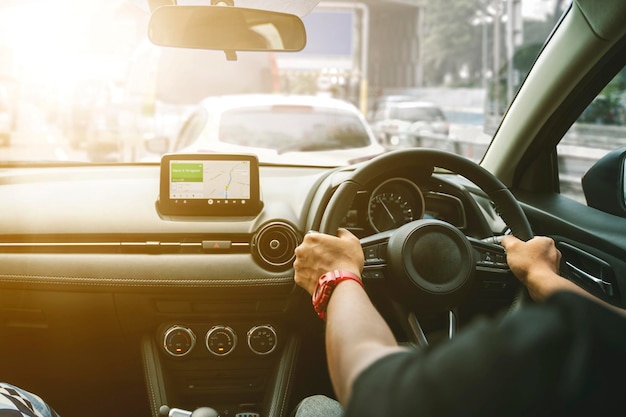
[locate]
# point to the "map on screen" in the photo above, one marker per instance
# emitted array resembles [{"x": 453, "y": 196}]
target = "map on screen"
[{"x": 220, "y": 180}]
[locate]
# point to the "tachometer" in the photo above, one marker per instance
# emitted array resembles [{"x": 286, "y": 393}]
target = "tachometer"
[{"x": 393, "y": 203}]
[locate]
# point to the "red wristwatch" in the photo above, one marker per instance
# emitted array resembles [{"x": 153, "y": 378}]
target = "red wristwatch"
[{"x": 325, "y": 286}]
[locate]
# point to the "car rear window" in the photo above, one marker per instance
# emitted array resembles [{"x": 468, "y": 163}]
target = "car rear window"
[
  {"x": 293, "y": 128},
  {"x": 416, "y": 114}
]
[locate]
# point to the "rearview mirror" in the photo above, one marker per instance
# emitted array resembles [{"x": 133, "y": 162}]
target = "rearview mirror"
[{"x": 226, "y": 28}]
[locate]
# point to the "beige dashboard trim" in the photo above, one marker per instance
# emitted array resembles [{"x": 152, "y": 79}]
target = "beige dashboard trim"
[{"x": 122, "y": 282}]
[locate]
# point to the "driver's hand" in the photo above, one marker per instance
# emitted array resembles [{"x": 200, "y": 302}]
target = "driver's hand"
[
  {"x": 320, "y": 253},
  {"x": 535, "y": 263}
]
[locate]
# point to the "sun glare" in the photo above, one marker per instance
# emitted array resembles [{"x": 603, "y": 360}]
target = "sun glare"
[{"x": 48, "y": 40}]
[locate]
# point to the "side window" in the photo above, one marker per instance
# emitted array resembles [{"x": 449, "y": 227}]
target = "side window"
[{"x": 600, "y": 129}]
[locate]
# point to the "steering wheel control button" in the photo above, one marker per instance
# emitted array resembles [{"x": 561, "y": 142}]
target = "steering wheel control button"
[
  {"x": 373, "y": 274},
  {"x": 490, "y": 258},
  {"x": 178, "y": 340},
  {"x": 374, "y": 253},
  {"x": 262, "y": 339},
  {"x": 221, "y": 340}
]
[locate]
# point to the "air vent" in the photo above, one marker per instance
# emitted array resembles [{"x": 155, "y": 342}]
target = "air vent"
[{"x": 274, "y": 244}]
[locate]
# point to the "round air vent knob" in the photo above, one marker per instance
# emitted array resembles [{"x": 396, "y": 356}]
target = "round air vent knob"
[{"x": 274, "y": 244}]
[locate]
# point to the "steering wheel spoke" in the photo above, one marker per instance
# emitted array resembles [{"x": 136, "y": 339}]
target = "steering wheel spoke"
[{"x": 420, "y": 336}]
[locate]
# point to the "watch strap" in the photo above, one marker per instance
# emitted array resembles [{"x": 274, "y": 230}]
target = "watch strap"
[{"x": 325, "y": 286}]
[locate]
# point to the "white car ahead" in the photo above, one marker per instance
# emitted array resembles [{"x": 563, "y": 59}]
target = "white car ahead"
[{"x": 316, "y": 130}]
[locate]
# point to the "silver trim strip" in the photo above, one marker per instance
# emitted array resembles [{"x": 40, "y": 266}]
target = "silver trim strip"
[
  {"x": 605, "y": 286},
  {"x": 108, "y": 244}
]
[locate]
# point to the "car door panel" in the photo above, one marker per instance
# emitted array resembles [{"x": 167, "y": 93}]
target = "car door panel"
[{"x": 592, "y": 243}]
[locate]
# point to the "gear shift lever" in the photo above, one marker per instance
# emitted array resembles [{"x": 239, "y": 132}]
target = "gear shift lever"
[
  {"x": 204, "y": 412},
  {"x": 165, "y": 411}
]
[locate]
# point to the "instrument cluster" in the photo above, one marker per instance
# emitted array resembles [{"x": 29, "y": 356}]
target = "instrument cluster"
[{"x": 396, "y": 201}]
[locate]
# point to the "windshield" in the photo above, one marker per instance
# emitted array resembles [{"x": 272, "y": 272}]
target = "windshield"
[{"x": 81, "y": 82}]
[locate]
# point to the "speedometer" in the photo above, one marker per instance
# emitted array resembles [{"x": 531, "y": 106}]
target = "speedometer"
[{"x": 393, "y": 203}]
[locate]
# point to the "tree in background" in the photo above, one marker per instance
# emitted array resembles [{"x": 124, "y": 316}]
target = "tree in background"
[
  {"x": 452, "y": 39},
  {"x": 453, "y": 49}
]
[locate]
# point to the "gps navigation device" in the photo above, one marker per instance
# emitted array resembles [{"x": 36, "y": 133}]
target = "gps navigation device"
[{"x": 209, "y": 185}]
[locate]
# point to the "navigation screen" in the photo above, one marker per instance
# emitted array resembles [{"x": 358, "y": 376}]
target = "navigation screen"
[
  {"x": 217, "y": 180},
  {"x": 209, "y": 184}
]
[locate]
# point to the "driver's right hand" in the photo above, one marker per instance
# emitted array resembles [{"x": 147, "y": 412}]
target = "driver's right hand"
[{"x": 536, "y": 264}]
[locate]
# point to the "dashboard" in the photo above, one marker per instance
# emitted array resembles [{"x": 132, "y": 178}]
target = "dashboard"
[{"x": 202, "y": 309}]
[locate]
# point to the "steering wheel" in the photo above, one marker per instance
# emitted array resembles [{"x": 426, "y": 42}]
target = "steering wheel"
[{"x": 429, "y": 263}]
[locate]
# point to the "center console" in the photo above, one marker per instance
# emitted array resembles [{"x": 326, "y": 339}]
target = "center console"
[{"x": 240, "y": 368}]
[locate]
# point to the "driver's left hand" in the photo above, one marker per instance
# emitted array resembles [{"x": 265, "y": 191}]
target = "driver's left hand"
[{"x": 320, "y": 253}]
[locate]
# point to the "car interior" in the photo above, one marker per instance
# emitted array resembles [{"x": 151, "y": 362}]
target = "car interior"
[{"x": 128, "y": 289}]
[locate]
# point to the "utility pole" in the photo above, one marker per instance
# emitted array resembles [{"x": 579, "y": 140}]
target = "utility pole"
[
  {"x": 421, "y": 34},
  {"x": 484, "y": 20},
  {"x": 514, "y": 33},
  {"x": 496, "y": 56}
]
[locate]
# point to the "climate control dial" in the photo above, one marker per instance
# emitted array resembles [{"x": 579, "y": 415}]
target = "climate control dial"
[
  {"x": 221, "y": 340},
  {"x": 178, "y": 340},
  {"x": 262, "y": 339}
]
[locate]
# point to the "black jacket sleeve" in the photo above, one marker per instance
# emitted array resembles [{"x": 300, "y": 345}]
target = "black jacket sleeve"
[{"x": 566, "y": 356}]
